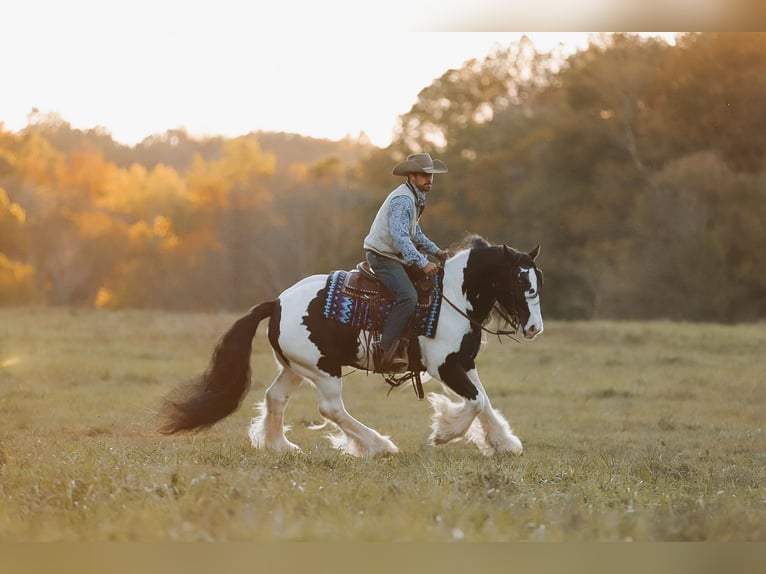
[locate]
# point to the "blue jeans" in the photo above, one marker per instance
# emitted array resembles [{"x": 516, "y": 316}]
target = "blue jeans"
[{"x": 391, "y": 272}]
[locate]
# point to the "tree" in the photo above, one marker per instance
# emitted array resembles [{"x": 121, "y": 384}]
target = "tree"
[
  {"x": 711, "y": 91},
  {"x": 695, "y": 259},
  {"x": 470, "y": 96}
]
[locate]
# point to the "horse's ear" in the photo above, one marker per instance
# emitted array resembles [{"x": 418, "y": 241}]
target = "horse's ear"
[{"x": 534, "y": 253}]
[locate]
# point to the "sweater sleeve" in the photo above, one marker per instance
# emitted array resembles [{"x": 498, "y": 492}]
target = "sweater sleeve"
[
  {"x": 400, "y": 215},
  {"x": 423, "y": 241}
]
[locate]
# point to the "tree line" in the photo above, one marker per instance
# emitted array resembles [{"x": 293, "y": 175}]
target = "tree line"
[{"x": 638, "y": 165}]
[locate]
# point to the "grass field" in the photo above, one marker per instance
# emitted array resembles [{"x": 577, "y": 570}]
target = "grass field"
[{"x": 632, "y": 431}]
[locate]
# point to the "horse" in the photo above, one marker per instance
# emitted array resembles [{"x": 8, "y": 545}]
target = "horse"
[{"x": 481, "y": 282}]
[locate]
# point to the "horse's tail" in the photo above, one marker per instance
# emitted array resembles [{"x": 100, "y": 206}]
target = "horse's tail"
[{"x": 216, "y": 394}]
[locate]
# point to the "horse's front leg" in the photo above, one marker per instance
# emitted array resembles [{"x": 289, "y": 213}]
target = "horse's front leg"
[
  {"x": 451, "y": 420},
  {"x": 490, "y": 432}
]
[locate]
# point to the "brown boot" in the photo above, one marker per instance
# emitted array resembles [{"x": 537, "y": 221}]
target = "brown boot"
[{"x": 394, "y": 360}]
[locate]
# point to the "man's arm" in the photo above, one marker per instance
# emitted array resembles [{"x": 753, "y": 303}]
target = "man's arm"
[
  {"x": 400, "y": 215},
  {"x": 426, "y": 244}
]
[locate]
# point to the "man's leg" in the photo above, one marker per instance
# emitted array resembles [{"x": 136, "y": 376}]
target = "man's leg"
[{"x": 395, "y": 278}]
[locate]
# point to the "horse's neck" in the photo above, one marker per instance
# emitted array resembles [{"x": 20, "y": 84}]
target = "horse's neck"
[{"x": 453, "y": 274}]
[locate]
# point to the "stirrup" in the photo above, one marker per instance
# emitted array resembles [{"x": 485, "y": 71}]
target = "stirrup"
[{"x": 391, "y": 360}]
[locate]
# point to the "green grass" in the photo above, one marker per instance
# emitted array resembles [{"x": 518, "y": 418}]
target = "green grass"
[{"x": 632, "y": 431}]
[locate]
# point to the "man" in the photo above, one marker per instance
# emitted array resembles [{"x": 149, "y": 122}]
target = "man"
[{"x": 396, "y": 240}]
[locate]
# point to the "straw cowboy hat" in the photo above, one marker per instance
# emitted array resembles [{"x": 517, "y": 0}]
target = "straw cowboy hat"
[{"x": 420, "y": 163}]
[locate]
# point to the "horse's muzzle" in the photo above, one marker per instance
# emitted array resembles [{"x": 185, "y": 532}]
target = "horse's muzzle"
[{"x": 531, "y": 332}]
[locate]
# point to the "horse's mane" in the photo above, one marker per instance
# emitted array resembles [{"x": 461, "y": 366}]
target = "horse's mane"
[{"x": 470, "y": 241}]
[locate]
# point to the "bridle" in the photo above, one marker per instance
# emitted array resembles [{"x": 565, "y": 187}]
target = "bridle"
[
  {"x": 512, "y": 319},
  {"x": 510, "y": 316}
]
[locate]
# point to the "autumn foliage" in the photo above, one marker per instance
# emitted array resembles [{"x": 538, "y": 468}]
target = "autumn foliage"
[{"x": 639, "y": 166}]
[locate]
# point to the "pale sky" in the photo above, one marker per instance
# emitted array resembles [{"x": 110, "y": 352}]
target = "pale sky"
[{"x": 227, "y": 68}]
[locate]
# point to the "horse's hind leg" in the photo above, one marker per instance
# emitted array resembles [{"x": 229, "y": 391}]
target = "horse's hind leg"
[
  {"x": 267, "y": 430},
  {"x": 352, "y": 437}
]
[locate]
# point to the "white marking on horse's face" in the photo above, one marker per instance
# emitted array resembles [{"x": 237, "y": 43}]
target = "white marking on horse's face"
[{"x": 534, "y": 325}]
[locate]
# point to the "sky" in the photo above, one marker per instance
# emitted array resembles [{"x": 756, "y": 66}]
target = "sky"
[{"x": 229, "y": 68}]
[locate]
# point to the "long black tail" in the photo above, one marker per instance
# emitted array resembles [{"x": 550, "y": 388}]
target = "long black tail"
[{"x": 206, "y": 400}]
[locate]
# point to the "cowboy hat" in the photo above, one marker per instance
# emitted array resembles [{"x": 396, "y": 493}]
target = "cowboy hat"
[{"x": 420, "y": 163}]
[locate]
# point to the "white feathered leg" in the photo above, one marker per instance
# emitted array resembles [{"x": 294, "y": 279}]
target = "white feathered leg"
[
  {"x": 451, "y": 420},
  {"x": 267, "y": 430},
  {"x": 490, "y": 432},
  {"x": 352, "y": 437}
]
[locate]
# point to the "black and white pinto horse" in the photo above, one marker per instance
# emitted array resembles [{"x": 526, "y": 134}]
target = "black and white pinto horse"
[{"x": 480, "y": 281}]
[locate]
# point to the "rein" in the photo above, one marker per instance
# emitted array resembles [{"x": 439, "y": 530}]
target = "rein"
[{"x": 513, "y": 322}]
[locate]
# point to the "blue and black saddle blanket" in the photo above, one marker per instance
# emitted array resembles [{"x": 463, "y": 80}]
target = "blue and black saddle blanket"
[{"x": 359, "y": 299}]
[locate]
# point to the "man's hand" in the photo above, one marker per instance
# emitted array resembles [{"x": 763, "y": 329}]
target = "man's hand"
[
  {"x": 430, "y": 268},
  {"x": 442, "y": 256}
]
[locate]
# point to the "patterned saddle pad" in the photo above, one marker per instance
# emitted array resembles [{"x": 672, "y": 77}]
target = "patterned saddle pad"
[{"x": 359, "y": 299}]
